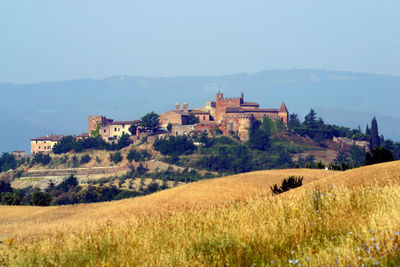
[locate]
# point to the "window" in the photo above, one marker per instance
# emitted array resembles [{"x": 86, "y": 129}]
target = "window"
[
  {"x": 115, "y": 129},
  {"x": 45, "y": 141},
  {"x": 204, "y": 118},
  {"x": 104, "y": 130}
]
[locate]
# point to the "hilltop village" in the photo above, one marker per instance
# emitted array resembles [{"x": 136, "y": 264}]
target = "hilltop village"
[{"x": 227, "y": 115}]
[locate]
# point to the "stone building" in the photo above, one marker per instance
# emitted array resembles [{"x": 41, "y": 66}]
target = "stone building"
[
  {"x": 44, "y": 144},
  {"x": 229, "y": 114},
  {"x": 108, "y": 128},
  {"x": 176, "y": 116},
  {"x": 19, "y": 154}
]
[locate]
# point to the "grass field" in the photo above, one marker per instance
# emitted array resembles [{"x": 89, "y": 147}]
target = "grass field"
[{"x": 347, "y": 218}]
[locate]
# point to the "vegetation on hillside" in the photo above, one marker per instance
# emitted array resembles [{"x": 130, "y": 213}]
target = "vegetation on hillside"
[{"x": 68, "y": 143}]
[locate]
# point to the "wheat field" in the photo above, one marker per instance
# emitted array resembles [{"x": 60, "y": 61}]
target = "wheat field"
[{"x": 340, "y": 218}]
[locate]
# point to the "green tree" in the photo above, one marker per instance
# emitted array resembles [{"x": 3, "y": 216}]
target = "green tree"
[
  {"x": 294, "y": 121},
  {"x": 367, "y": 130},
  {"x": 132, "y": 129},
  {"x": 116, "y": 157},
  {"x": 378, "y": 155},
  {"x": 268, "y": 126},
  {"x": 357, "y": 155},
  {"x": 192, "y": 119},
  {"x": 40, "y": 198},
  {"x": 66, "y": 144},
  {"x": 150, "y": 121},
  {"x": 85, "y": 159},
  {"x": 7, "y": 162},
  {"x": 259, "y": 140},
  {"x": 310, "y": 119},
  {"x": 13, "y": 198},
  {"x": 131, "y": 155},
  {"x": 374, "y": 138}
]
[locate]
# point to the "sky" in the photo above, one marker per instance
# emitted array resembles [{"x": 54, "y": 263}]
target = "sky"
[{"x": 62, "y": 40}]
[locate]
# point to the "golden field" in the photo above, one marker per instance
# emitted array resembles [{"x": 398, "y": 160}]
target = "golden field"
[{"x": 335, "y": 218}]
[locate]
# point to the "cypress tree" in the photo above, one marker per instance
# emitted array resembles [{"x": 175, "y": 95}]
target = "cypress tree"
[
  {"x": 374, "y": 137},
  {"x": 367, "y": 130}
]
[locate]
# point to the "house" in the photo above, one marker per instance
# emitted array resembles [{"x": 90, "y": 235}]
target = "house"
[
  {"x": 109, "y": 129},
  {"x": 19, "y": 154},
  {"x": 44, "y": 144},
  {"x": 82, "y": 136},
  {"x": 175, "y": 117}
]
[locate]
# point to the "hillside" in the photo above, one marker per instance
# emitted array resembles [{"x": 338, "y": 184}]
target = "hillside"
[
  {"x": 331, "y": 93},
  {"x": 350, "y": 217}
]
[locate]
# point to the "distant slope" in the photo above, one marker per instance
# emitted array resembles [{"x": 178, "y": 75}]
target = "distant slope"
[{"x": 62, "y": 107}]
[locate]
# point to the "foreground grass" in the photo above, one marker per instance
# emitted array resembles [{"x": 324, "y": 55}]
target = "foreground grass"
[{"x": 308, "y": 226}]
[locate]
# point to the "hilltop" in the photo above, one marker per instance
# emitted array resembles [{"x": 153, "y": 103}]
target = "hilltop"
[
  {"x": 341, "y": 97},
  {"x": 232, "y": 220}
]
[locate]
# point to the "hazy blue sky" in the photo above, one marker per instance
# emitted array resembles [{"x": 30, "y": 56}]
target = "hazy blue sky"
[{"x": 60, "y": 40}]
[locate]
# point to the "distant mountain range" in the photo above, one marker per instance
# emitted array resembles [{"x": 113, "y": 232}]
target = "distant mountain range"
[{"x": 343, "y": 98}]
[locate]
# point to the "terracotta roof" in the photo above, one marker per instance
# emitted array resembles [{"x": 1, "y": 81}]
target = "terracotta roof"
[
  {"x": 83, "y": 135},
  {"x": 199, "y": 111},
  {"x": 250, "y": 104},
  {"x": 18, "y": 151},
  {"x": 283, "y": 107},
  {"x": 182, "y": 113},
  {"x": 273, "y": 110},
  {"x": 124, "y": 122},
  {"x": 234, "y": 109},
  {"x": 51, "y": 137}
]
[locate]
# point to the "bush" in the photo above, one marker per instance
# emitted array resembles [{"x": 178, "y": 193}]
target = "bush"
[
  {"x": 40, "y": 198},
  {"x": 85, "y": 159},
  {"x": 378, "y": 155},
  {"x": 44, "y": 159},
  {"x": 75, "y": 162},
  {"x": 287, "y": 184},
  {"x": 174, "y": 145},
  {"x": 7, "y": 162},
  {"x": 116, "y": 157},
  {"x": 67, "y": 184}
]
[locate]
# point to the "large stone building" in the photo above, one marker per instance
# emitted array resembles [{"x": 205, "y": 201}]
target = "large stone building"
[
  {"x": 44, "y": 144},
  {"x": 228, "y": 114},
  {"x": 108, "y": 128}
]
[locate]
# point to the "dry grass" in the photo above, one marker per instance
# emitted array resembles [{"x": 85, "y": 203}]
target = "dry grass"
[
  {"x": 21, "y": 222},
  {"x": 226, "y": 221}
]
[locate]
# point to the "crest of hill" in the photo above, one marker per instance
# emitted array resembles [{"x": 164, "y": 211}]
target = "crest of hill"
[{"x": 25, "y": 221}]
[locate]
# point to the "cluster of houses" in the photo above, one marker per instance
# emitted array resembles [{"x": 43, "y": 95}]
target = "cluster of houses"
[{"x": 229, "y": 115}]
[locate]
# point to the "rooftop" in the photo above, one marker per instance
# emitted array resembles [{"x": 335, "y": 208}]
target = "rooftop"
[
  {"x": 51, "y": 137},
  {"x": 125, "y": 122}
]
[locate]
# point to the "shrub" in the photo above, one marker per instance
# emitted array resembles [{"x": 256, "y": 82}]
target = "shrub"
[
  {"x": 116, "y": 157},
  {"x": 44, "y": 159},
  {"x": 7, "y": 161},
  {"x": 68, "y": 183},
  {"x": 287, "y": 184},
  {"x": 85, "y": 159},
  {"x": 174, "y": 145},
  {"x": 378, "y": 155},
  {"x": 75, "y": 162},
  {"x": 40, "y": 198}
]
